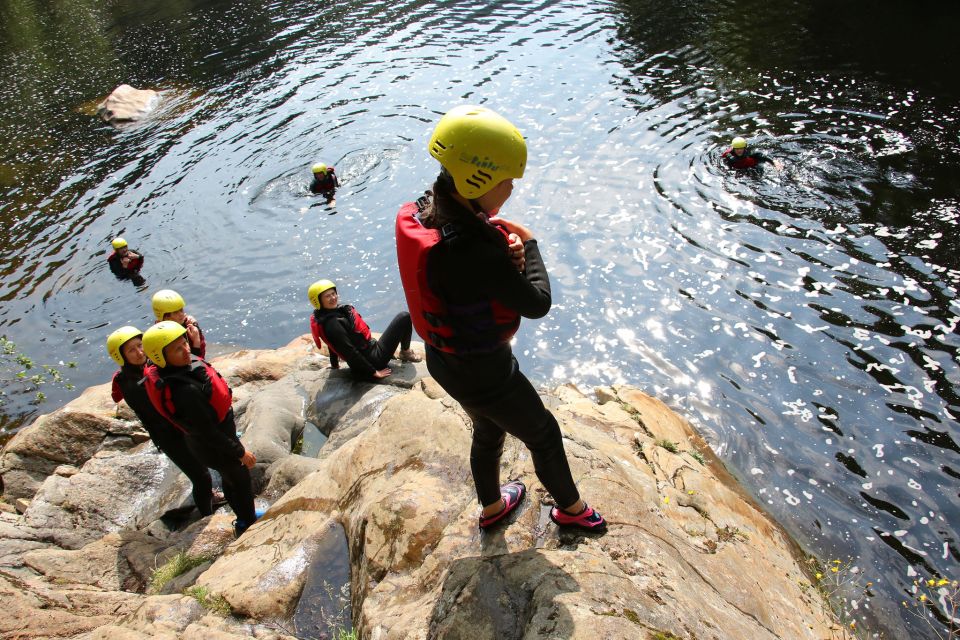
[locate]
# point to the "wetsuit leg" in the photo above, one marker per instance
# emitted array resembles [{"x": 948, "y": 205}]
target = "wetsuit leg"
[
  {"x": 196, "y": 471},
  {"x": 238, "y": 490},
  {"x": 397, "y": 333},
  {"x": 499, "y": 398}
]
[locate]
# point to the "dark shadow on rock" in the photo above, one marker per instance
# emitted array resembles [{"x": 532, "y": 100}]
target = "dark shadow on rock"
[{"x": 505, "y": 597}]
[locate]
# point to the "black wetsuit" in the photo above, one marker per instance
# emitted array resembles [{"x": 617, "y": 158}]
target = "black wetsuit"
[
  {"x": 749, "y": 159},
  {"x": 167, "y": 438},
  {"x": 214, "y": 442},
  {"x": 470, "y": 269},
  {"x": 326, "y": 184},
  {"x": 364, "y": 357},
  {"x": 115, "y": 261}
]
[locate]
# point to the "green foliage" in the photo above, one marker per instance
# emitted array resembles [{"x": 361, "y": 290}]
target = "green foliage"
[
  {"x": 176, "y": 566},
  {"x": 210, "y": 601},
  {"x": 696, "y": 455},
  {"x": 29, "y": 377},
  {"x": 669, "y": 445}
]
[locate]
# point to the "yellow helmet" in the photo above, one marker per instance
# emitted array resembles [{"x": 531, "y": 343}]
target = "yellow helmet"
[
  {"x": 318, "y": 288},
  {"x": 738, "y": 143},
  {"x": 117, "y": 339},
  {"x": 319, "y": 168},
  {"x": 159, "y": 336},
  {"x": 479, "y": 149},
  {"x": 166, "y": 301},
  {"x": 119, "y": 243}
]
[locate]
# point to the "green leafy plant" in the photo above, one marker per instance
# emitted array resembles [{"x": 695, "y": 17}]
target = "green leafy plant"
[{"x": 30, "y": 377}]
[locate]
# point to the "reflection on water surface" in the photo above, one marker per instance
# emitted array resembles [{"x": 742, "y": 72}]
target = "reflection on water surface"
[{"x": 805, "y": 319}]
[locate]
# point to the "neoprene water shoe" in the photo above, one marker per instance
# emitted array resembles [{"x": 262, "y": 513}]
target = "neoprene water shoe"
[
  {"x": 511, "y": 493},
  {"x": 587, "y": 520}
]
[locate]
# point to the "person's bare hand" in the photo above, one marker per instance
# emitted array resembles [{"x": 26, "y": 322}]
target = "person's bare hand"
[
  {"x": 248, "y": 459},
  {"x": 193, "y": 335},
  {"x": 517, "y": 228},
  {"x": 516, "y": 252},
  {"x": 383, "y": 373}
]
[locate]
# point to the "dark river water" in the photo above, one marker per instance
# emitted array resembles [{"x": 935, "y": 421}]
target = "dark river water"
[{"x": 805, "y": 319}]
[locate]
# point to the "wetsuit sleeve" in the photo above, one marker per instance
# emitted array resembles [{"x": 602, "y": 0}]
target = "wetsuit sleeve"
[
  {"x": 315, "y": 331},
  {"x": 115, "y": 391},
  {"x": 340, "y": 339},
  {"x": 761, "y": 158},
  {"x": 527, "y": 293},
  {"x": 115, "y": 267},
  {"x": 194, "y": 412}
]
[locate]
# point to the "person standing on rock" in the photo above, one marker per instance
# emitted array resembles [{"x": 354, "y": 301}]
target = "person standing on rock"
[
  {"x": 348, "y": 337},
  {"x": 168, "y": 305},
  {"x": 125, "y": 263},
  {"x": 467, "y": 291},
  {"x": 192, "y": 395},
  {"x": 125, "y": 346}
]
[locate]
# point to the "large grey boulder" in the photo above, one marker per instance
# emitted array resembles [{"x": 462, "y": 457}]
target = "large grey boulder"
[{"x": 113, "y": 491}]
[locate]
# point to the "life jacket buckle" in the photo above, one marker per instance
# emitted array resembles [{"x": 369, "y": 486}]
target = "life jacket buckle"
[{"x": 448, "y": 231}]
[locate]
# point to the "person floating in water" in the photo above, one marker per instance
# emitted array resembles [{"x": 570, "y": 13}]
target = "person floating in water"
[
  {"x": 325, "y": 181},
  {"x": 348, "y": 336},
  {"x": 125, "y": 263},
  {"x": 168, "y": 305},
  {"x": 740, "y": 156}
]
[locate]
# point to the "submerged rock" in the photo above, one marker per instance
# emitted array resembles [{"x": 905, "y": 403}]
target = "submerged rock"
[
  {"x": 688, "y": 554},
  {"x": 126, "y": 104}
]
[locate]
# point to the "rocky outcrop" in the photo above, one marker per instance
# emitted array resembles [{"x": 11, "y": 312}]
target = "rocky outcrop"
[
  {"x": 687, "y": 554},
  {"x": 126, "y": 104}
]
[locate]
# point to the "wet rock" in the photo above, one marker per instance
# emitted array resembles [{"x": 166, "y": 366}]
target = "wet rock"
[
  {"x": 273, "y": 419},
  {"x": 116, "y": 562},
  {"x": 33, "y": 609},
  {"x": 288, "y": 472},
  {"x": 113, "y": 492},
  {"x": 70, "y": 435},
  {"x": 126, "y": 104},
  {"x": 687, "y": 555}
]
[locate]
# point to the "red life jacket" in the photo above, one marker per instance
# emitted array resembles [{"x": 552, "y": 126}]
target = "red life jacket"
[
  {"x": 746, "y": 161},
  {"x": 358, "y": 329},
  {"x": 473, "y": 328},
  {"x": 161, "y": 397}
]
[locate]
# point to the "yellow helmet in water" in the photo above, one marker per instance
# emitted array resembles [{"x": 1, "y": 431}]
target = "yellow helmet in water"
[
  {"x": 166, "y": 301},
  {"x": 119, "y": 243},
  {"x": 319, "y": 168},
  {"x": 117, "y": 339},
  {"x": 479, "y": 148},
  {"x": 318, "y": 288},
  {"x": 738, "y": 143},
  {"x": 159, "y": 336}
]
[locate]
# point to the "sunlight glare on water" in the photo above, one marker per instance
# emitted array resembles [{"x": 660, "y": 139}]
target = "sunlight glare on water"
[{"x": 805, "y": 319}]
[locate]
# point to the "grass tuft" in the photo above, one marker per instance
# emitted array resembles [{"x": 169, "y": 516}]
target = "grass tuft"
[{"x": 176, "y": 566}]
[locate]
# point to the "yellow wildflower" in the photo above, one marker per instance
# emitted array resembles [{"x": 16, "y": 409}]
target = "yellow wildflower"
[
  {"x": 666, "y": 499},
  {"x": 834, "y": 569},
  {"x": 923, "y": 598},
  {"x": 931, "y": 582},
  {"x": 819, "y": 576}
]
